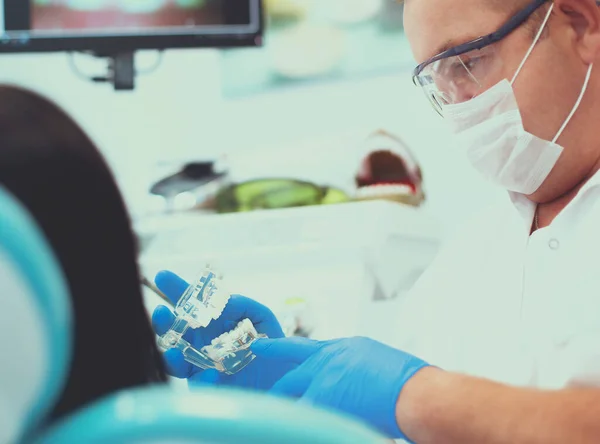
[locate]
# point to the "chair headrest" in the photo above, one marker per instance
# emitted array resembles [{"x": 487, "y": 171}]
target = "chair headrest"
[
  {"x": 35, "y": 322},
  {"x": 205, "y": 415}
]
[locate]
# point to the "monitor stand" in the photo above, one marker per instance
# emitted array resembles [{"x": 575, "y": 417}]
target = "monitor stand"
[{"x": 121, "y": 69}]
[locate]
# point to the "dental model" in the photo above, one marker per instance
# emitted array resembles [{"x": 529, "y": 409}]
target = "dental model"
[
  {"x": 202, "y": 302},
  {"x": 231, "y": 351},
  {"x": 141, "y": 6},
  {"x": 88, "y": 5}
]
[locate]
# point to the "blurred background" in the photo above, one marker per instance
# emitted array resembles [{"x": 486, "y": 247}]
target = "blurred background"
[{"x": 309, "y": 169}]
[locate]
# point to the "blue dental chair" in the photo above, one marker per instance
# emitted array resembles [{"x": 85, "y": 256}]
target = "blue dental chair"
[{"x": 35, "y": 323}]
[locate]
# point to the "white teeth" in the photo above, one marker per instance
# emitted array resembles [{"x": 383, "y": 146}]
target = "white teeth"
[
  {"x": 243, "y": 329},
  {"x": 218, "y": 302},
  {"x": 217, "y": 297},
  {"x": 207, "y": 298},
  {"x": 383, "y": 190},
  {"x": 227, "y": 344},
  {"x": 141, "y": 6},
  {"x": 87, "y": 5}
]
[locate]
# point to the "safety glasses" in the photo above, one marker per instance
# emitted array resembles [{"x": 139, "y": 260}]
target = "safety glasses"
[
  {"x": 275, "y": 193},
  {"x": 464, "y": 71}
]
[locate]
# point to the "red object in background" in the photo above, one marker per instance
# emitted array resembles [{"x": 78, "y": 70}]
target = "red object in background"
[
  {"x": 57, "y": 17},
  {"x": 384, "y": 168},
  {"x": 389, "y": 171}
]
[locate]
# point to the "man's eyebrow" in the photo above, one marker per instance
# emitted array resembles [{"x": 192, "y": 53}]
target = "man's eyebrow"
[
  {"x": 444, "y": 47},
  {"x": 449, "y": 44}
]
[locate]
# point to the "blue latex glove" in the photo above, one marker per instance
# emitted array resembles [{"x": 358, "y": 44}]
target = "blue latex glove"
[
  {"x": 358, "y": 376},
  {"x": 258, "y": 374}
]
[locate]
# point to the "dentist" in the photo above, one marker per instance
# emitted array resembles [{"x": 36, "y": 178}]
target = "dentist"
[{"x": 515, "y": 297}]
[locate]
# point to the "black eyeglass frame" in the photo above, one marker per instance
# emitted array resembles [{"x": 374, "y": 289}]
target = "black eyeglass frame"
[{"x": 481, "y": 42}]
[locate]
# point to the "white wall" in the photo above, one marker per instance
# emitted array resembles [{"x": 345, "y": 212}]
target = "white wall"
[
  {"x": 161, "y": 117},
  {"x": 177, "y": 113}
]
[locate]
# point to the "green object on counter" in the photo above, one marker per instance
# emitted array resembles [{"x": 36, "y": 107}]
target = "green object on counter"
[
  {"x": 334, "y": 196},
  {"x": 274, "y": 193}
]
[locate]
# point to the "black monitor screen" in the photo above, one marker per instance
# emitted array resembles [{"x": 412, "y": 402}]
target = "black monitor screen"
[{"x": 116, "y": 25}]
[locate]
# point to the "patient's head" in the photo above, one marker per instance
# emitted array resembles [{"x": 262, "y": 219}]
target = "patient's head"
[{"x": 55, "y": 170}]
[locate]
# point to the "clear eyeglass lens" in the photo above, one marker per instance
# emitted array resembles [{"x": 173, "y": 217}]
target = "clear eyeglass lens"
[
  {"x": 435, "y": 102},
  {"x": 458, "y": 79}
]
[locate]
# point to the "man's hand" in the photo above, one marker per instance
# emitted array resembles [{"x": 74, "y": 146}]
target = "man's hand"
[
  {"x": 258, "y": 374},
  {"x": 357, "y": 376}
]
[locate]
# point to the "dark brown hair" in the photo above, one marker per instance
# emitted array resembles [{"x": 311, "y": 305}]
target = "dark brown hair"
[{"x": 54, "y": 169}]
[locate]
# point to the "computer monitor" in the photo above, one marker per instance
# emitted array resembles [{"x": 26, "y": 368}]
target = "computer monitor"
[{"x": 116, "y": 26}]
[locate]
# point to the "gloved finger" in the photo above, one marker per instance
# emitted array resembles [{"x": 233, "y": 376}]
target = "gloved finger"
[
  {"x": 171, "y": 285},
  {"x": 176, "y": 364},
  {"x": 293, "y": 349},
  {"x": 294, "y": 384},
  {"x": 203, "y": 377},
  {"x": 162, "y": 319},
  {"x": 241, "y": 307}
]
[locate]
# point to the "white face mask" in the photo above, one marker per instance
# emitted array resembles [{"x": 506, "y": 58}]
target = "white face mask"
[{"x": 491, "y": 128}]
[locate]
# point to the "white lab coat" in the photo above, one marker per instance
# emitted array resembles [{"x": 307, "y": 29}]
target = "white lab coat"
[{"x": 520, "y": 309}]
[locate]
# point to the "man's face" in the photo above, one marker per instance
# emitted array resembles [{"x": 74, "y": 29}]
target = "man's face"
[{"x": 546, "y": 88}]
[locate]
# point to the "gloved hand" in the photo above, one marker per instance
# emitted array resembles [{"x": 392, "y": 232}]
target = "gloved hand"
[
  {"x": 358, "y": 376},
  {"x": 258, "y": 374}
]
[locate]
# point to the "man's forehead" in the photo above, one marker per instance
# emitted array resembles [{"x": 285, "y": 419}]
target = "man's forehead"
[{"x": 433, "y": 26}]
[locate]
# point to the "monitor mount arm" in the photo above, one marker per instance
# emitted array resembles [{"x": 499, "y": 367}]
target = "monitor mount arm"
[{"x": 121, "y": 70}]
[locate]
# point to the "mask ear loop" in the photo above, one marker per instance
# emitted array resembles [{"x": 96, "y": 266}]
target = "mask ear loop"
[
  {"x": 583, "y": 90},
  {"x": 537, "y": 38}
]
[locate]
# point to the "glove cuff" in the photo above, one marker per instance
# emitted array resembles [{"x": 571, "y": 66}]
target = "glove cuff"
[{"x": 409, "y": 370}]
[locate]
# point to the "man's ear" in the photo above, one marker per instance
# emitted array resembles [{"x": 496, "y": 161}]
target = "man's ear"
[{"x": 583, "y": 16}]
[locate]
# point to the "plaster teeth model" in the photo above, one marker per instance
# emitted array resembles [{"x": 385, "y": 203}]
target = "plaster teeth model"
[
  {"x": 232, "y": 342},
  {"x": 383, "y": 190}
]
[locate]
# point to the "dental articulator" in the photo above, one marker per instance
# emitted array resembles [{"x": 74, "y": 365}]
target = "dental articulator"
[{"x": 203, "y": 301}]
